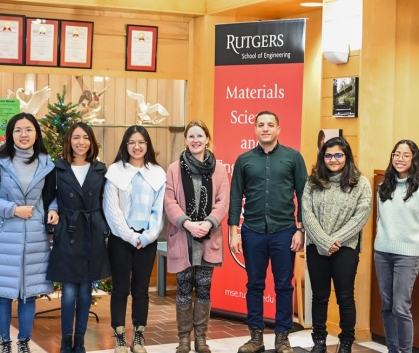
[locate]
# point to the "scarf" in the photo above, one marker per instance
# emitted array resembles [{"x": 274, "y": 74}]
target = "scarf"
[{"x": 189, "y": 166}]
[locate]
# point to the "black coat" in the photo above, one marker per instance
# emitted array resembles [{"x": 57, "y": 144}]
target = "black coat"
[{"x": 79, "y": 253}]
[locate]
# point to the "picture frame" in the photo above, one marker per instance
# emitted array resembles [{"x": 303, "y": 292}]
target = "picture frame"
[
  {"x": 345, "y": 97},
  {"x": 326, "y": 134},
  {"x": 76, "y": 44},
  {"x": 42, "y": 38},
  {"x": 12, "y": 38},
  {"x": 141, "y": 51}
]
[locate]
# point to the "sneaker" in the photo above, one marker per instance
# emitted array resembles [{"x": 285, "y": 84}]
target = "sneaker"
[
  {"x": 6, "y": 347},
  {"x": 138, "y": 340},
  {"x": 23, "y": 346},
  {"x": 120, "y": 341}
]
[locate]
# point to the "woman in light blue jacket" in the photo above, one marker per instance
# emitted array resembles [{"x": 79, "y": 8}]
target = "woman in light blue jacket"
[{"x": 24, "y": 246}]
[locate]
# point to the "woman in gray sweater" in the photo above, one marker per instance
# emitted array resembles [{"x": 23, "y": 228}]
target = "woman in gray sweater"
[
  {"x": 396, "y": 245},
  {"x": 336, "y": 206}
]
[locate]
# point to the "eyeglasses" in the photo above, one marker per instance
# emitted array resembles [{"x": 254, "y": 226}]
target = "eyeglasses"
[
  {"x": 21, "y": 131},
  {"x": 336, "y": 155},
  {"x": 135, "y": 143},
  {"x": 403, "y": 157}
]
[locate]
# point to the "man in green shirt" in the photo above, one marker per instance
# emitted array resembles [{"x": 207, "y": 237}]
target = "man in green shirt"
[{"x": 268, "y": 177}]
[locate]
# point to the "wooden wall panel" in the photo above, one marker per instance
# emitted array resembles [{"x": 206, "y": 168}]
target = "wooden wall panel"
[
  {"x": 342, "y": 23},
  {"x": 109, "y": 40},
  {"x": 116, "y": 107}
]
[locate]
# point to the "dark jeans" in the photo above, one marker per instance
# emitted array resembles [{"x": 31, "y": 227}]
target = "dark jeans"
[
  {"x": 131, "y": 271},
  {"x": 340, "y": 267},
  {"x": 76, "y": 299},
  {"x": 396, "y": 276},
  {"x": 25, "y": 313},
  {"x": 258, "y": 248}
]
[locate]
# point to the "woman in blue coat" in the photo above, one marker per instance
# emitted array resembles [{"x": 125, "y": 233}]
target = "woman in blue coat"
[
  {"x": 79, "y": 255},
  {"x": 24, "y": 245}
]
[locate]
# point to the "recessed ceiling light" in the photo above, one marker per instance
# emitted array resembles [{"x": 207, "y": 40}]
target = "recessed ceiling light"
[{"x": 311, "y": 4}]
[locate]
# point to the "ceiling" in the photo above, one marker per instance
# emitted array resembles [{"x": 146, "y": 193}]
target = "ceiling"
[
  {"x": 272, "y": 9},
  {"x": 263, "y": 9}
]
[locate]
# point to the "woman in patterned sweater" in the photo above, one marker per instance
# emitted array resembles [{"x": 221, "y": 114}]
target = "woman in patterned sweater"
[
  {"x": 336, "y": 206},
  {"x": 133, "y": 206}
]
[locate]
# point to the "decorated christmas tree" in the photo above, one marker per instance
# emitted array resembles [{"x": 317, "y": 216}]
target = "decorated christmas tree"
[{"x": 56, "y": 123}]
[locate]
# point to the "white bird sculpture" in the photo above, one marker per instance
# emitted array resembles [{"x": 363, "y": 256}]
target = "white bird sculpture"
[
  {"x": 147, "y": 108},
  {"x": 38, "y": 98}
]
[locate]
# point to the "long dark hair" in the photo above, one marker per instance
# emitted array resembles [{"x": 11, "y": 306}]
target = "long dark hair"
[
  {"x": 320, "y": 174},
  {"x": 93, "y": 151},
  {"x": 387, "y": 187},
  {"x": 8, "y": 148},
  {"x": 123, "y": 155}
]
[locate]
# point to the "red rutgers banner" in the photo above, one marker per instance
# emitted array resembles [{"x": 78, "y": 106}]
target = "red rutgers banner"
[{"x": 258, "y": 66}]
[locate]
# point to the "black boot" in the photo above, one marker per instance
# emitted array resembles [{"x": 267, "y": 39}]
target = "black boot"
[
  {"x": 66, "y": 344},
  {"x": 6, "y": 347},
  {"x": 319, "y": 343},
  {"x": 345, "y": 347},
  {"x": 23, "y": 346},
  {"x": 79, "y": 344}
]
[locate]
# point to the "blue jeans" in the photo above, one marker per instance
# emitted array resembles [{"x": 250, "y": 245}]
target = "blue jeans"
[
  {"x": 25, "y": 313},
  {"x": 258, "y": 248},
  {"x": 396, "y": 276},
  {"x": 76, "y": 299}
]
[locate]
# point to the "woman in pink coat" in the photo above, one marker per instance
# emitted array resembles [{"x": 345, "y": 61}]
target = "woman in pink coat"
[{"x": 196, "y": 201}]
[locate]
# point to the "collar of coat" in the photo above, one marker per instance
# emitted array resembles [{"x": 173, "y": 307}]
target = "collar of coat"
[
  {"x": 121, "y": 176},
  {"x": 45, "y": 165},
  {"x": 97, "y": 168}
]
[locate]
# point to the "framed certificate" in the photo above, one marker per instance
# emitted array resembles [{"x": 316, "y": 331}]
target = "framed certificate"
[
  {"x": 141, "y": 48},
  {"x": 42, "y": 42},
  {"x": 12, "y": 34},
  {"x": 76, "y": 44}
]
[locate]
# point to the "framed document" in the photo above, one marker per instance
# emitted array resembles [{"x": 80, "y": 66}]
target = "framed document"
[
  {"x": 42, "y": 42},
  {"x": 12, "y": 34},
  {"x": 141, "y": 48},
  {"x": 76, "y": 44}
]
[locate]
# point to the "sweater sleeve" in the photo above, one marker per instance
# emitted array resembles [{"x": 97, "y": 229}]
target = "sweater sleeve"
[
  {"x": 222, "y": 197},
  {"x": 174, "y": 212},
  {"x": 156, "y": 219},
  {"x": 114, "y": 215},
  {"x": 300, "y": 178},
  {"x": 362, "y": 211},
  {"x": 311, "y": 224}
]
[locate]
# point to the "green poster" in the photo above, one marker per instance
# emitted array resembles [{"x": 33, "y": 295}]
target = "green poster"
[{"x": 8, "y": 108}]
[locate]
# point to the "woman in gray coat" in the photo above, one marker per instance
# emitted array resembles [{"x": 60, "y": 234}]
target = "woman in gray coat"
[{"x": 24, "y": 246}]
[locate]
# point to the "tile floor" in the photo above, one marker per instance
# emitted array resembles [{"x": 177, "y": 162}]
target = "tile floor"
[{"x": 224, "y": 336}]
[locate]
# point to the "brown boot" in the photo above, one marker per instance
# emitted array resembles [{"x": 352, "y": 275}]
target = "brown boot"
[
  {"x": 184, "y": 318},
  {"x": 255, "y": 344},
  {"x": 201, "y": 314},
  {"x": 282, "y": 343}
]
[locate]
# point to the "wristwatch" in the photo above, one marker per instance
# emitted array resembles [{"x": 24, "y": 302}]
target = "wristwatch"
[{"x": 302, "y": 230}]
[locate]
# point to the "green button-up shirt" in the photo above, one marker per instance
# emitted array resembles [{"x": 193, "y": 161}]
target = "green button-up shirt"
[{"x": 268, "y": 182}]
